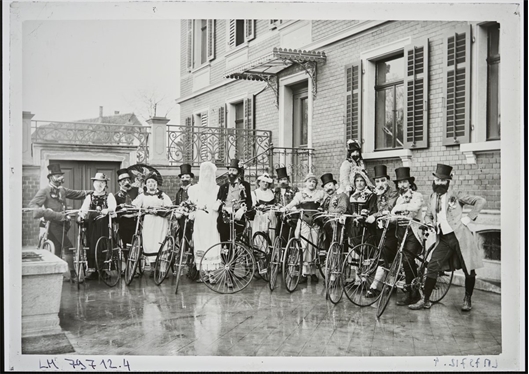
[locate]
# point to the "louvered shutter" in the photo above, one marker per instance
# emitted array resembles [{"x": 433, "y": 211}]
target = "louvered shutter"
[
  {"x": 222, "y": 134},
  {"x": 187, "y": 146},
  {"x": 249, "y": 32},
  {"x": 211, "y": 39},
  {"x": 189, "y": 44},
  {"x": 249, "y": 126},
  {"x": 416, "y": 91},
  {"x": 456, "y": 87},
  {"x": 204, "y": 119},
  {"x": 353, "y": 104},
  {"x": 231, "y": 33}
]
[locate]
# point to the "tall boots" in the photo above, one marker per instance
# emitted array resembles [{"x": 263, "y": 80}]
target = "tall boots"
[{"x": 470, "y": 281}]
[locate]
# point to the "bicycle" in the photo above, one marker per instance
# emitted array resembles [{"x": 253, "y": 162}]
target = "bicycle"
[
  {"x": 262, "y": 245},
  {"x": 44, "y": 242},
  {"x": 278, "y": 248},
  {"x": 395, "y": 276},
  {"x": 135, "y": 255},
  {"x": 237, "y": 261},
  {"x": 80, "y": 260},
  {"x": 108, "y": 254}
]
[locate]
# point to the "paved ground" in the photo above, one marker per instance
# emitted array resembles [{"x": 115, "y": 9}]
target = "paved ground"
[{"x": 145, "y": 319}]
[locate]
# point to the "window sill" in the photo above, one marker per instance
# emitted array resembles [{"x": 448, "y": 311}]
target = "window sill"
[
  {"x": 236, "y": 49},
  {"x": 200, "y": 68},
  {"x": 404, "y": 154},
  {"x": 470, "y": 149}
]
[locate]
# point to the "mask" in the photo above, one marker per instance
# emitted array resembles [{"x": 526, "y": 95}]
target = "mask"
[
  {"x": 440, "y": 188},
  {"x": 185, "y": 182},
  {"x": 57, "y": 180},
  {"x": 402, "y": 191},
  {"x": 232, "y": 177}
]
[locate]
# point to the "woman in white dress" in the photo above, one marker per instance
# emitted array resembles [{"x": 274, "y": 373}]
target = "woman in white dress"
[
  {"x": 154, "y": 224},
  {"x": 205, "y": 233},
  {"x": 263, "y": 196}
]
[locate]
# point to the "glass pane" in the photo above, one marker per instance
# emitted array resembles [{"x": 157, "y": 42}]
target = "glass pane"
[
  {"x": 400, "y": 115},
  {"x": 239, "y": 32},
  {"x": 390, "y": 70},
  {"x": 493, "y": 101},
  {"x": 304, "y": 121},
  {"x": 384, "y": 118},
  {"x": 203, "y": 41}
]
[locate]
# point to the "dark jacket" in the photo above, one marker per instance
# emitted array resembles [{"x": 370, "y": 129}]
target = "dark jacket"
[
  {"x": 181, "y": 195},
  {"x": 287, "y": 198},
  {"x": 55, "y": 199},
  {"x": 247, "y": 198}
]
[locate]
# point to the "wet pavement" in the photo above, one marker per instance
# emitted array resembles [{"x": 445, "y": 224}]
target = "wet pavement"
[{"x": 145, "y": 319}]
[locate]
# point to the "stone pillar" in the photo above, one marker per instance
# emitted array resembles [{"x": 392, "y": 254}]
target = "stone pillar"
[
  {"x": 158, "y": 141},
  {"x": 27, "y": 159}
]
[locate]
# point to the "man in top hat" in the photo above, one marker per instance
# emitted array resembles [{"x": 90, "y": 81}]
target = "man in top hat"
[
  {"x": 283, "y": 196},
  {"x": 186, "y": 180},
  {"x": 455, "y": 245},
  {"x": 409, "y": 204},
  {"x": 333, "y": 202},
  {"x": 50, "y": 203},
  {"x": 126, "y": 194},
  {"x": 235, "y": 196},
  {"x": 351, "y": 166},
  {"x": 386, "y": 197}
]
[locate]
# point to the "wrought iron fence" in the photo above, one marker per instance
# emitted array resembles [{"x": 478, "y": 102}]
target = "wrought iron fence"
[
  {"x": 196, "y": 144},
  {"x": 92, "y": 134}
]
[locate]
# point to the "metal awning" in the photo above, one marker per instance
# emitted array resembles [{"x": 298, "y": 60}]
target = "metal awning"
[{"x": 272, "y": 63}]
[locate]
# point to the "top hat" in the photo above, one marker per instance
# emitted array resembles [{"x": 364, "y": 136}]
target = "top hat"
[
  {"x": 122, "y": 174},
  {"x": 234, "y": 163},
  {"x": 381, "y": 171},
  {"x": 309, "y": 176},
  {"x": 100, "y": 177},
  {"x": 265, "y": 177},
  {"x": 403, "y": 173},
  {"x": 443, "y": 172},
  {"x": 282, "y": 173},
  {"x": 353, "y": 145},
  {"x": 186, "y": 169},
  {"x": 326, "y": 178},
  {"x": 54, "y": 169}
]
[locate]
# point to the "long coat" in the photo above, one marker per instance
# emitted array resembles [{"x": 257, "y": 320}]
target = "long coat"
[
  {"x": 410, "y": 204},
  {"x": 470, "y": 254}
]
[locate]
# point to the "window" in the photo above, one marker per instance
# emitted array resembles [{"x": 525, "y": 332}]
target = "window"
[
  {"x": 200, "y": 42},
  {"x": 493, "y": 82},
  {"x": 389, "y": 103},
  {"x": 274, "y": 23},
  {"x": 300, "y": 116},
  {"x": 240, "y": 31}
]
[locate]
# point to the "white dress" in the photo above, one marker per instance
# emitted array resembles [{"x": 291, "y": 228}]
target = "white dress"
[
  {"x": 263, "y": 220},
  {"x": 205, "y": 233},
  {"x": 154, "y": 227}
]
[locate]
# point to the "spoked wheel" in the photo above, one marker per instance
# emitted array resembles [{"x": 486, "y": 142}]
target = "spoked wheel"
[
  {"x": 261, "y": 243},
  {"x": 179, "y": 262},
  {"x": 79, "y": 265},
  {"x": 236, "y": 269},
  {"x": 334, "y": 277},
  {"x": 107, "y": 261},
  {"x": 164, "y": 259},
  {"x": 292, "y": 264},
  {"x": 322, "y": 253},
  {"x": 48, "y": 246},
  {"x": 392, "y": 277},
  {"x": 444, "y": 280},
  {"x": 359, "y": 269},
  {"x": 133, "y": 259},
  {"x": 275, "y": 262}
]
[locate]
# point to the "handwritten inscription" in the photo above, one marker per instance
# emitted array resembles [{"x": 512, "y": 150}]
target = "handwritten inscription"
[
  {"x": 106, "y": 364},
  {"x": 466, "y": 363}
]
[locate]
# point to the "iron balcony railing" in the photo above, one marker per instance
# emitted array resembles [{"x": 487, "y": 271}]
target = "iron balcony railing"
[{"x": 86, "y": 133}]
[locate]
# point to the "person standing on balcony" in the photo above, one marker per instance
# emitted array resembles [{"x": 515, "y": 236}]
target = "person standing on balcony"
[
  {"x": 309, "y": 199},
  {"x": 50, "y": 203},
  {"x": 97, "y": 222},
  {"x": 263, "y": 197},
  {"x": 353, "y": 164},
  {"x": 235, "y": 196},
  {"x": 155, "y": 223},
  {"x": 283, "y": 196},
  {"x": 455, "y": 245},
  {"x": 186, "y": 180},
  {"x": 125, "y": 196}
]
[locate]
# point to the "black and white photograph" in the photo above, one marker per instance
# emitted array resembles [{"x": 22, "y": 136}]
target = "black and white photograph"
[{"x": 194, "y": 186}]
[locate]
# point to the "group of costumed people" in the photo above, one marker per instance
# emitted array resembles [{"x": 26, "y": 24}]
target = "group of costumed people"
[{"x": 355, "y": 194}]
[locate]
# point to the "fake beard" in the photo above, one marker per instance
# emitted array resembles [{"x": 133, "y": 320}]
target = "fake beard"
[
  {"x": 330, "y": 191},
  {"x": 440, "y": 188},
  {"x": 402, "y": 191},
  {"x": 57, "y": 181},
  {"x": 232, "y": 178},
  {"x": 126, "y": 186},
  {"x": 185, "y": 182},
  {"x": 283, "y": 184},
  {"x": 380, "y": 190}
]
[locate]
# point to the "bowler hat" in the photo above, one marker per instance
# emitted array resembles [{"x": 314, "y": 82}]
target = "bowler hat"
[
  {"x": 309, "y": 176},
  {"x": 186, "y": 169},
  {"x": 54, "y": 169},
  {"x": 100, "y": 177},
  {"x": 326, "y": 178},
  {"x": 443, "y": 171},
  {"x": 122, "y": 174},
  {"x": 282, "y": 173},
  {"x": 381, "y": 171},
  {"x": 353, "y": 145},
  {"x": 403, "y": 173}
]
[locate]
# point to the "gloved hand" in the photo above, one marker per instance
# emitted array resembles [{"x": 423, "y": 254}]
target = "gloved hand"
[
  {"x": 216, "y": 205},
  {"x": 342, "y": 220},
  {"x": 192, "y": 216},
  {"x": 370, "y": 219},
  {"x": 104, "y": 212},
  {"x": 465, "y": 220},
  {"x": 239, "y": 213}
]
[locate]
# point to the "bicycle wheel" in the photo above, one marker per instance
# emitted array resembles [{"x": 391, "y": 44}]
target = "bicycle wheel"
[
  {"x": 392, "y": 277},
  {"x": 359, "y": 269},
  {"x": 179, "y": 259},
  {"x": 444, "y": 280},
  {"x": 292, "y": 264},
  {"x": 133, "y": 259},
  {"x": 164, "y": 259},
  {"x": 322, "y": 253},
  {"x": 235, "y": 271},
  {"x": 80, "y": 271},
  {"x": 275, "y": 262},
  {"x": 48, "y": 246},
  {"x": 261, "y": 244},
  {"x": 334, "y": 277},
  {"x": 107, "y": 262}
]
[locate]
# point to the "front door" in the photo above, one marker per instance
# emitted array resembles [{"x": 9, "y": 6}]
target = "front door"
[
  {"x": 77, "y": 176},
  {"x": 300, "y": 131}
]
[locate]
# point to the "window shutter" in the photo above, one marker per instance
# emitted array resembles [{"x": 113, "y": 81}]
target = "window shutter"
[
  {"x": 249, "y": 126},
  {"x": 416, "y": 91},
  {"x": 353, "y": 105},
  {"x": 249, "y": 33},
  {"x": 211, "y": 39},
  {"x": 222, "y": 134},
  {"x": 231, "y": 33},
  {"x": 187, "y": 146},
  {"x": 189, "y": 44},
  {"x": 456, "y": 87},
  {"x": 204, "y": 119}
]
